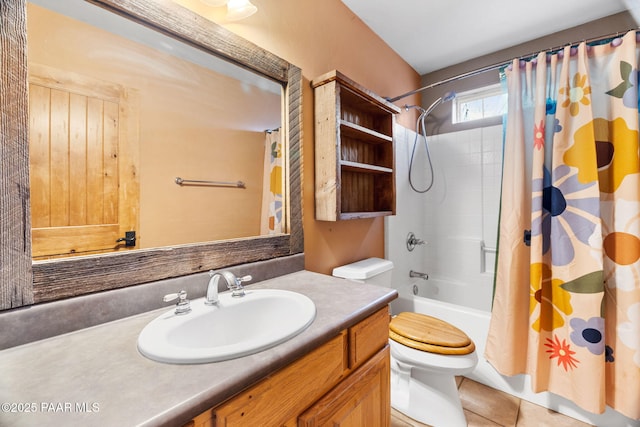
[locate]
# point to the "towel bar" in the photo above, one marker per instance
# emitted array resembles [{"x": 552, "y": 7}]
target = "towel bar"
[{"x": 237, "y": 184}]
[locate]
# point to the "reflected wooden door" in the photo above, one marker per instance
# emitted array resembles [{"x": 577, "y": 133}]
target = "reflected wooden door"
[{"x": 83, "y": 164}]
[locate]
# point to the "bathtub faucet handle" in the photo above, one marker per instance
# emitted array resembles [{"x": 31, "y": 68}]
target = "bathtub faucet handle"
[{"x": 413, "y": 241}]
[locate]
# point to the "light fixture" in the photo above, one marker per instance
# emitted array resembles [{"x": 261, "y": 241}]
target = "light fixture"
[
  {"x": 215, "y": 3},
  {"x": 239, "y": 9}
]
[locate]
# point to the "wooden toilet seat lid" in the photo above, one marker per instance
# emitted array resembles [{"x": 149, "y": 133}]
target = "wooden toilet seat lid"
[{"x": 429, "y": 334}]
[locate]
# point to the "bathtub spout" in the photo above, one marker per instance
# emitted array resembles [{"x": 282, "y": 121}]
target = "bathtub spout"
[{"x": 424, "y": 276}]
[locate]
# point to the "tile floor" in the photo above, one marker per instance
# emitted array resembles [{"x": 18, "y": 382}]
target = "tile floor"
[{"x": 487, "y": 407}]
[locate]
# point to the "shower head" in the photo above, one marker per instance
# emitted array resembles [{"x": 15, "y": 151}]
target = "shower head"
[
  {"x": 444, "y": 98},
  {"x": 423, "y": 113},
  {"x": 448, "y": 96}
]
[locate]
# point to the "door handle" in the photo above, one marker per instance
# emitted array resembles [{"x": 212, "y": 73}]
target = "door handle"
[{"x": 129, "y": 238}]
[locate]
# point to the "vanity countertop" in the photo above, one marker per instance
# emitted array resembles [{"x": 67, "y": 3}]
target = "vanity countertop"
[{"x": 96, "y": 376}]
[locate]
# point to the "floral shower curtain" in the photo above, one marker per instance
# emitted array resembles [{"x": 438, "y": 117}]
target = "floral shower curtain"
[
  {"x": 273, "y": 187},
  {"x": 567, "y": 299}
]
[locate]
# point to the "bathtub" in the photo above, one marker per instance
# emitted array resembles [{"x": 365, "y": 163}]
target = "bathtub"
[
  {"x": 431, "y": 299},
  {"x": 466, "y": 294}
]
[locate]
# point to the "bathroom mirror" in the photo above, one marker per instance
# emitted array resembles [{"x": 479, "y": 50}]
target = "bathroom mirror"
[
  {"x": 24, "y": 282},
  {"x": 126, "y": 129}
]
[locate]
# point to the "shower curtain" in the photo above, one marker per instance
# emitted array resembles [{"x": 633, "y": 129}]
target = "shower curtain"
[
  {"x": 566, "y": 307},
  {"x": 273, "y": 185}
]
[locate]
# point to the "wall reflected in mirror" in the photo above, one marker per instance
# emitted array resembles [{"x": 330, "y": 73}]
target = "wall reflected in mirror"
[{"x": 118, "y": 111}]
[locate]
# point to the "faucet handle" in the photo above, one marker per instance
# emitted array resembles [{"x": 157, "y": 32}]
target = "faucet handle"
[
  {"x": 413, "y": 241},
  {"x": 182, "y": 306},
  {"x": 246, "y": 278},
  {"x": 238, "y": 290},
  {"x": 171, "y": 297},
  {"x": 235, "y": 283}
]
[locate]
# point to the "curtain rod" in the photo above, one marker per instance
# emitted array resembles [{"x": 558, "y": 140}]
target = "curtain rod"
[{"x": 505, "y": 63}]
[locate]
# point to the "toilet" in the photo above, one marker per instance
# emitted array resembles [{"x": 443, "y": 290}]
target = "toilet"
[{"x": 426, "y": 355}]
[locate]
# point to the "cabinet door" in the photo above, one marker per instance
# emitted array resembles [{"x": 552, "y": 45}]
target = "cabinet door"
[
  {"x": 368, "y": 337},
  {"x": 362, "y": 399},
  {"x": 278, "y": 399}
]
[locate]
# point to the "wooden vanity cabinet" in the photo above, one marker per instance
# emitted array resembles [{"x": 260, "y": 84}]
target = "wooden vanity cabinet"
[
  {"x": 344, "y": 382},
  {"x": 354, "y": 150},
  {"x": 360, "y": 400}
]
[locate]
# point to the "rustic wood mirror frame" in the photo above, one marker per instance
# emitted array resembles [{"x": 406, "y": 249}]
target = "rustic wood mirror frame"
[{"x": 23, "y": 282}]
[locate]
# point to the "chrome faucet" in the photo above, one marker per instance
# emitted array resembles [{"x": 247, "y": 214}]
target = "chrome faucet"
[
  {"x": 212, "y": 288},
  {"x": 233, "y": 283}
]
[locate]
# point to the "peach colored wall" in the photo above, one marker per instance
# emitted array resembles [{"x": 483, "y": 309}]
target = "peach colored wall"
[
  {"x": 179, "y": 134},
  {"x": 319, "y": 36}
]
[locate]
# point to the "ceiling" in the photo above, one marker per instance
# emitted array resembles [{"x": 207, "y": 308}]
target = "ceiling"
[{"x": 434, "y": 34}]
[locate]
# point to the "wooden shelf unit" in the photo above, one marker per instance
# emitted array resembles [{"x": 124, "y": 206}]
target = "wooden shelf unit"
[{"x": 354, "y": 149}]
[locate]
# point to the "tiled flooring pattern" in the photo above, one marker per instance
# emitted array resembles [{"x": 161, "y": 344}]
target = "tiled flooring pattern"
[{"x": 487, "y": 407}]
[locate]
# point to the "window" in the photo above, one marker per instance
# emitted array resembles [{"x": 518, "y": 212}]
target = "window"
[{"x": 482, "y": 103}]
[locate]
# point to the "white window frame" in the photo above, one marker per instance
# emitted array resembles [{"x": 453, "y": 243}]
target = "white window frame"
[{"x": 480, "y": 94}]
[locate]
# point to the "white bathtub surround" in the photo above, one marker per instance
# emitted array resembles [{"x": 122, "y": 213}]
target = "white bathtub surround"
[{"x": 456, "y": 217}]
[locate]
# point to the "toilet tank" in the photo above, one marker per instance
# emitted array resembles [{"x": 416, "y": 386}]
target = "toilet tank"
[{"x": 376, "y": 271}]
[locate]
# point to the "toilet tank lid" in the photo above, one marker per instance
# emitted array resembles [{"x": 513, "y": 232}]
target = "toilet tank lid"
[{"x": 362, "y": 270}]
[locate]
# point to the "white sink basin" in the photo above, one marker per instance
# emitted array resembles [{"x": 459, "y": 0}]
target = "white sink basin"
[{"x": 235, "y": 327}]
